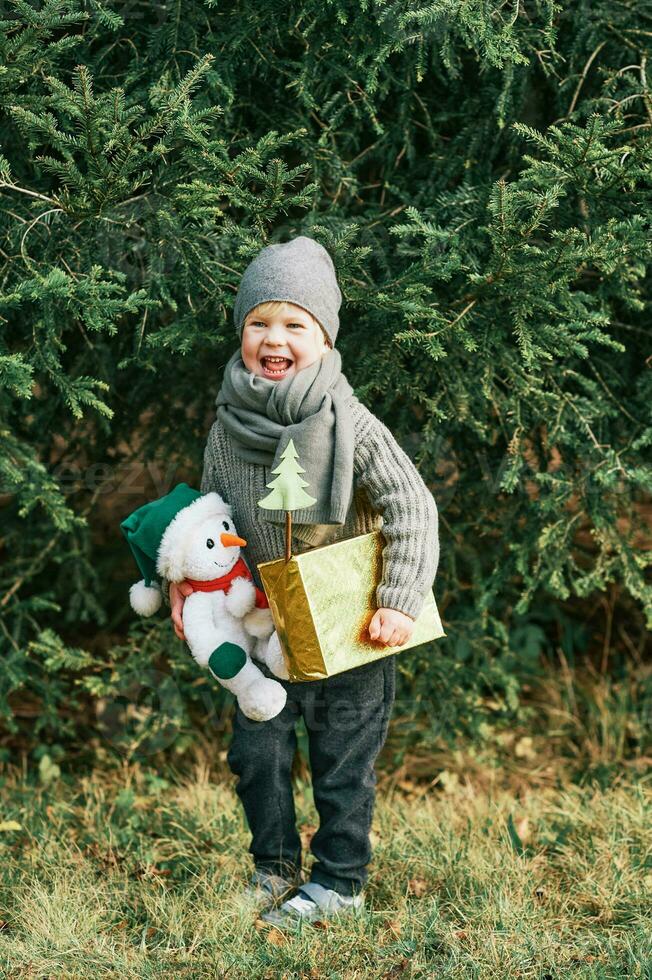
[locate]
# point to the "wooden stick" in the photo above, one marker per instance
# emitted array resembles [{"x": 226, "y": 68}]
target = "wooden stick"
[{"x": 288, "y": 535}]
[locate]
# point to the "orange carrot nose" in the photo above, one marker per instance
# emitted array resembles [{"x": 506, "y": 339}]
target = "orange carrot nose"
[{"x": 230, "y": 540}]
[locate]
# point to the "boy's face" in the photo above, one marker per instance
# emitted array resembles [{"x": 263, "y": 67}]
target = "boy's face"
[{"x": 291, "y": 333}]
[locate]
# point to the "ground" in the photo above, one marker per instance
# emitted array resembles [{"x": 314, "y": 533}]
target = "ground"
[{"x": 132, "y": 873}]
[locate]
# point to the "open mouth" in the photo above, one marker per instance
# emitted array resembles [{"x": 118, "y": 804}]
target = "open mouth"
[{"x": 275, "y": 367}]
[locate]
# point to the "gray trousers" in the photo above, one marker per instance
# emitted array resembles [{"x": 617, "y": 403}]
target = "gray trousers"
[{"x": 346, "y": 717}]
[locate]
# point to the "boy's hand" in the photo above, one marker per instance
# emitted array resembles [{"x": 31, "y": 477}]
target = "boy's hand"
[
  {"x": 391, "y": 627},
  {"x": 178, "y": 593}
]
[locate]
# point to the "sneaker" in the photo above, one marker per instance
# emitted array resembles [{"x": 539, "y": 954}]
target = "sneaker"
[
  {"x": 265, "y": 889},
  {"x": 313, "y": 903}
]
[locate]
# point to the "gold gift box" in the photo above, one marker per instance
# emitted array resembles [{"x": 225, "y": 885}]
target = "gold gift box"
[{"x": 322, "y": 602}]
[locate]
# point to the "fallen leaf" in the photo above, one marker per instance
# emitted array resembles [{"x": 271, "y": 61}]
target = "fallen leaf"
[
  {"x": 524, "y": 748},
  {"x": 407, "y": 785},
  {"x": 306, "y": 832},
  {"x": 49, "y": 771},
  {"x": 389, "y": 929},
  {"x": 397, "y": 969},
  {"x": 523, "y": 829},
  {"x": 275, "y": 937},
  {"x": 318, "y": 924},
  {"x": 10, "y": 825},
  {"x": 142, "y": 803},
  {"x": 449, "y": 781},
  {"x": 417, "y": 887},
  {"x": 461, "y": 934},
  {"x": 393, "y": 926}
]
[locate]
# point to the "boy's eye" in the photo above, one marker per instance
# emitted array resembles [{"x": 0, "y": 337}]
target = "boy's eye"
[
  {"x": 210, "y": 543},
  {"x": 259, "y": 323},
  {"x": 226, "y": 525}
]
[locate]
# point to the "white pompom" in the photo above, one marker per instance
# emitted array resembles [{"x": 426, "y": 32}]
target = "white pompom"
[{"x": 145, "y": 600}]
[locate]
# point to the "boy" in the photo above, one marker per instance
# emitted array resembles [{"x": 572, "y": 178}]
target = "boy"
[{"x": 286, "y": 382}]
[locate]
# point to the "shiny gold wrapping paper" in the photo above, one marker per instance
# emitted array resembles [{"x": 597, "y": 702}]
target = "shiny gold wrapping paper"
[{"x": 322, "y": 602}]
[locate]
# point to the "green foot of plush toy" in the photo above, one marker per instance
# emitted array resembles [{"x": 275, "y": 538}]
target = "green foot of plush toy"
[
  {"x": 227, "y": 661},
  {"x": 230, "y": 665}
]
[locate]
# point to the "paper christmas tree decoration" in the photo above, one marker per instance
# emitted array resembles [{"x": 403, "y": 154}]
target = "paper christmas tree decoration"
[
  {"x": 323, "y": 600},
  {"x": 287, "y": 491}
]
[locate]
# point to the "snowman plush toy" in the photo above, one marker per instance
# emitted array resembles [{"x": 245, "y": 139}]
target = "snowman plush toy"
[{"x": 188, "y": 536}]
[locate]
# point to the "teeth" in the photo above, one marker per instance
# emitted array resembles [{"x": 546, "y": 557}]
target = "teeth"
[{"x": 268, "y": 361}]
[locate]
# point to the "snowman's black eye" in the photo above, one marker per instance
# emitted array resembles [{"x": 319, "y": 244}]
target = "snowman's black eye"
[
  {"x": 210, "y": 543},
  {"x": 226, "y": 525}
]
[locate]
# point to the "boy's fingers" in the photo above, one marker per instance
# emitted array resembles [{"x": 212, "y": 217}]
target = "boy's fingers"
[
  {"x": 373, "y": 627},
  {"x": 385, "y": 634},
  {"x": 177, "y": 619},
  {"x": 185, "y": 589}
]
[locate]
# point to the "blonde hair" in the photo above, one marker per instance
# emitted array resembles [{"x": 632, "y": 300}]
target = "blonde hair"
[{"x": 273, "y": 306}]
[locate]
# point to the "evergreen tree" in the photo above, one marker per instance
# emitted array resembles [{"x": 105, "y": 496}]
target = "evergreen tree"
[{"x": 480, "y": 173}]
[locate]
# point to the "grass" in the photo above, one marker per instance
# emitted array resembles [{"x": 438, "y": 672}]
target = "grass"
[{"x": 126, "y": 873}]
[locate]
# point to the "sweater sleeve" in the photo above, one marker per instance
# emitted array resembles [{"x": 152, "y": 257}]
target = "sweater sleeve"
[
  {"x": 208, "y": 483},
  {"x": 410, "y": 517}
]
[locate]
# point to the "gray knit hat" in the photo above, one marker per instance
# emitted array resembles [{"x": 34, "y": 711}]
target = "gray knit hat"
[{"x": 299, "y": 271}]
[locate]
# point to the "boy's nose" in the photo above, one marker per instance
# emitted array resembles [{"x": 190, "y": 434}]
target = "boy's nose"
[
  {"x": 276, "y": 334},
  {"x": 231, "y": 540}
]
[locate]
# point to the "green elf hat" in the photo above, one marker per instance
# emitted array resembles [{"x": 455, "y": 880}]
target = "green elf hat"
[{"x": 144, "y": 530}]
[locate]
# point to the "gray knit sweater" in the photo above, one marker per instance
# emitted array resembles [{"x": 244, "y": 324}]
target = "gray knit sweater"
[{"x": 389, "y": 493}]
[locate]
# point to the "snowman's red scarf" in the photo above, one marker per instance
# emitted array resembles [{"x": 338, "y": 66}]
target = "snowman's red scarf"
[{"x": 223, "y": 583}]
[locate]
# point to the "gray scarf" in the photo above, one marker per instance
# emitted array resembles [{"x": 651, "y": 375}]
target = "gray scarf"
[{"x": 261, "y": 416}]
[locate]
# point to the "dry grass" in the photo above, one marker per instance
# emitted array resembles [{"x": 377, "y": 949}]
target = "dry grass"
[{"x": 126, "y": 874}]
